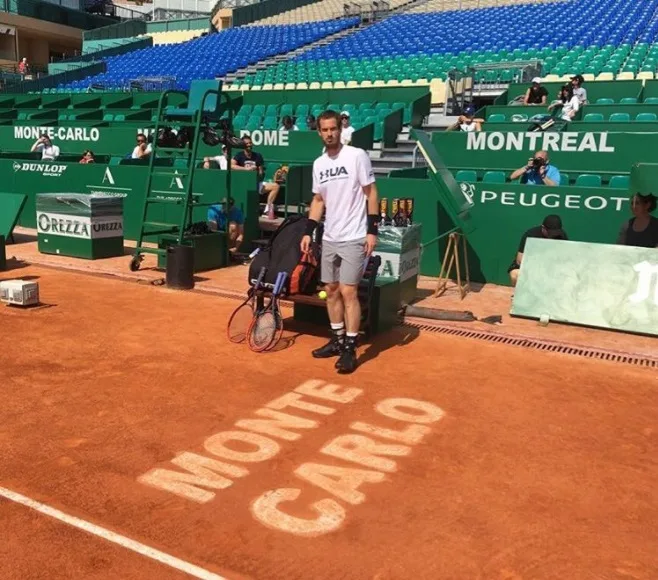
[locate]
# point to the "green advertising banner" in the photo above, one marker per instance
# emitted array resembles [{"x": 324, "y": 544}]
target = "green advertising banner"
[
  {"x": 590, "y": 152},
  {"x": 606, "y": 286}
]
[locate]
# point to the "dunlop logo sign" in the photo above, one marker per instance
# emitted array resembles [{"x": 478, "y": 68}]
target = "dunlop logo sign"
[
  {"x": 81, "y": 227},
  {"x": 46, "y": 169}
]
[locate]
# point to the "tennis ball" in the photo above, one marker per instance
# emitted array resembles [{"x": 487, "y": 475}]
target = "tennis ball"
[{"x": 322, "y": 295}]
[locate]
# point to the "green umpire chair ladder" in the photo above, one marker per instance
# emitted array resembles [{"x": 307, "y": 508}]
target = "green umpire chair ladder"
[{"x": 205, "y": 102}]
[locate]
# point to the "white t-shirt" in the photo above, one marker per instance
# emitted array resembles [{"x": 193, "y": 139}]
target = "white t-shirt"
[
  {"x": 135, "y": 154},
  {"x": 468, "y": 127},
  {"x": 346, "y": 135},
  {"x": 221, "y": 161},
  {"x": 569, "y": 106},
  {"x": 340, "y": 181},
  {"x": 50, "y": 152},
  {"x": 581, "y": 93}
]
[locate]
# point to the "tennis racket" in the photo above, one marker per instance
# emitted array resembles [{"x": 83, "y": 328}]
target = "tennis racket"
[
  {"x": 278, "y": 317},
  {"x": 239, "y": 322},
  {"x": 263, "y": 328}
]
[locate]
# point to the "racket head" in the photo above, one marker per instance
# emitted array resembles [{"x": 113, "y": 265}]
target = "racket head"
[
  {"x": 238, "y": 323},
  {"x": 262, "y": 331},
  {"x": 278, "y": 317}
]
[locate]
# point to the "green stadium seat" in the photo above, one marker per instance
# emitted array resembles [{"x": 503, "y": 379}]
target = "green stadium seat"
[
  {"x": 253, "y": 124},
  {"x": 651, "y": 101},
  {"x": 118, "y": 117},
  {"x": 628, "y": 101},
  {"x": 494, "y": 177},
  {"x": 107, "y": 117},
  {"x": 645, "y": 117},
  {"x": 270, "y": 123},
  {"x": 497, "y": 118},
  {"x": 594, "y": 118},
  {"x": 382, "y": 106},
  {"x": 466, "y": 175},
  {"x": 365, "y": 106},
  {"x": 271, "y": 111},
  {"x": 620, "y": 118},
  {"x": 588, "y": 180},
  {"x": 286, "y": 109},
  {"x": 245, "y": 111},
  {"x": 258, "y": 110},
  {"x": 367, "y": 112},
  {"x": 565, "y": 179},
  {"x": 605, "y": 100},
  {"x": 180, "y": 163},
  {"x": 302, "y": 111},
  {"x": 619, "y": 181}
]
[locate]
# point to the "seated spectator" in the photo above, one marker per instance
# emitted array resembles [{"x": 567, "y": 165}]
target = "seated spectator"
[
  {"x": 250, "y": 160},
  {"x": 578, "y": 90},
  {"x": 550, "y": 228},
  {"x": 536, "y": 94},
  {"x": 287, "y": 124},
  {"x": 218, "y": 222},
  {"x": 642, "y": 229},
  {"x": 467, "y": 121},
  {"x": 143, "y": 149},
  {"x": 538, "y": 171},
  {"x": 49, "y": 152},
  {"x": 311, "y": 123},
  {"x": 220, "y": 161},
  {"x": 88, "y": 157},
  {"x": 567, "y": 102},
  {"x": 346, "y": 130}
]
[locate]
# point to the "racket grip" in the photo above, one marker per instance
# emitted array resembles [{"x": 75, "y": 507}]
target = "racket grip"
[
  {"x": 280, "y": 281},
  {"x": 254, "y": 253}
]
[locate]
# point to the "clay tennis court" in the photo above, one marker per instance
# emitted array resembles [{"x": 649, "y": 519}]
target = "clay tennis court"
[{"x": 440, "y": 458}]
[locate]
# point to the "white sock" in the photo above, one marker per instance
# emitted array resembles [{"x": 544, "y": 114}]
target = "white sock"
[
  {"x": 352, "y": 334},
  {"x": 338, "y": 329}
]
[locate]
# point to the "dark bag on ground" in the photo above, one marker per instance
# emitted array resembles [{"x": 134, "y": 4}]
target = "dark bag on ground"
[{"x": 283, "y": 254}]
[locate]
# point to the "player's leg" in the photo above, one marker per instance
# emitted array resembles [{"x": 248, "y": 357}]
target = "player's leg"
[
  {"x": 353, "y": 256},
  {"x": 233, "y": 233},
  {"x": 514, "y": 271},
  {"x": 329, "y": 270},
  {"x": 271, "y": 191}
]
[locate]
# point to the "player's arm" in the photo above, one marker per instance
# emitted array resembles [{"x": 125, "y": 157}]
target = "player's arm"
[
  {"x": 236, "y": 165},
  {"x": 314, "y": 217}
]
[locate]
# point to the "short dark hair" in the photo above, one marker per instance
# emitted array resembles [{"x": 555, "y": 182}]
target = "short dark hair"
[
  {"x": 141, "y": 135},
  {"x": 649, "y": 198},
  {"x": 327, "y": 115},
  {"x": 246, "y": 138}
]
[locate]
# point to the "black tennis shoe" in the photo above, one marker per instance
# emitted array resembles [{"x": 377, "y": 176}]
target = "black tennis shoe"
[
  {"x": 347, "y": 361},
  {"x": 333, "y": 348}
]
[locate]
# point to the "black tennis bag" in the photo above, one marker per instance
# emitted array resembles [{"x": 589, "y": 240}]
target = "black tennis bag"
[{"x": 283, "y": 254}]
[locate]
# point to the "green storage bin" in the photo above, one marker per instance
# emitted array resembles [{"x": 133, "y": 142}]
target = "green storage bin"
[
  {"x": 210, "y": 252},
  {"x": 80, "y": 225}
]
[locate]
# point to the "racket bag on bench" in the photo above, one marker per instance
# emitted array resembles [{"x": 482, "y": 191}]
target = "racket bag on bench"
[{"x": 283, "y": 254}]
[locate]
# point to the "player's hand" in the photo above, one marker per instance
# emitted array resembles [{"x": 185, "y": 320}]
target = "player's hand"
[
  {"x": 371, "y": 242},
  {"x": 542, "y": 171},
  {"x": 306, "y": 244},
  {"x": 530, "y": 163}
]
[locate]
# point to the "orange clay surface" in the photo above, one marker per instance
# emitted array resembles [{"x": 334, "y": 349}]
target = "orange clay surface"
[{"x": 444, "y": 459}]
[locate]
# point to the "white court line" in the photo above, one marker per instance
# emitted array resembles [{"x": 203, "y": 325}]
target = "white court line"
[{"x": 113, "y": 537}]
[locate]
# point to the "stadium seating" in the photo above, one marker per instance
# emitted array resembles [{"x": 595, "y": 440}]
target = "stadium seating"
[
  {"x": 602, "y": 37},
  {"x": 210, "y": 56}
]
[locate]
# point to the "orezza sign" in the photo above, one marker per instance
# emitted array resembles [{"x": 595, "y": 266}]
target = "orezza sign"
[
  {"x": 58, "y": 133},
  {"x": 86, "y": 228},
  {"x": 566, "y": 142}
]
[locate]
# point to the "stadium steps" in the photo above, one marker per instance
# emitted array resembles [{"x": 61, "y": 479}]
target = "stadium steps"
[{"x": 236, "y": 76}]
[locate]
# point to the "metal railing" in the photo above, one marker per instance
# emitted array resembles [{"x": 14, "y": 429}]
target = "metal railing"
[{"x": 55, "y": 12}]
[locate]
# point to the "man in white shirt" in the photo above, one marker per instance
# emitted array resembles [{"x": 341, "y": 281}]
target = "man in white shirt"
[
  {"x": 49, "y": 152},
  {"x": 220, "y": 160},
  {"x": 142, "y": 149},
  {"x": 347, "y": 129},
  {"x": 344, "y": 186},
  {"x": 578, "y": 89}
]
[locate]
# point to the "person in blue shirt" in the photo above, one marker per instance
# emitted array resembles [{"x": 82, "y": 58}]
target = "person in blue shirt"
[
  {"x": 218, "y": 222},
  {"x": 538, "y": 171}
]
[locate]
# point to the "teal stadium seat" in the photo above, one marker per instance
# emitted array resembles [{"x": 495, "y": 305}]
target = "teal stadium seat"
[
  {"x": 629, "y": 101},
  {"x": 605, "y": 101},
  {"x": 494, "y": 177},
  {"x": 565, "y": 179},
  {"x": 646, "y": 117},
  {"x": 588, "y": 180},
  {"x": 497, "y": 118},
  {"x": 619, "y": 181},
  {"x": 594, "y": 118},
  {"x": 651, "y": 101},
  {"x": 620, "y": 118},
  {"x": 466, "y": 175}
]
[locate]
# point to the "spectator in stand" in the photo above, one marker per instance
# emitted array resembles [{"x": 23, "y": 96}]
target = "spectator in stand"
[
  {"x": 538, "y": 171},
  {"x": 642, "y": 229},
  {"x": 220, "y": 161},
  {"x": 250, "y": 160},
  {"x": 536, "y": 94},
  {"x": 49, "y": 152},
  {"x": 23, "y": 67},
  {"x": 311, "y": 123},
  {"x": 143, "y": 149},
  {"x": 287, "y": 124},
  {"x": 88, "y": 157},
  {"x": 346, "y": 129},
  {"x": 578, "y": 90},
  {"x": 218, "y": 222},
  {"x": 568, "y": 102},
  {"x": 467, "y": 121},
  {"x": 551, "y": 228}
]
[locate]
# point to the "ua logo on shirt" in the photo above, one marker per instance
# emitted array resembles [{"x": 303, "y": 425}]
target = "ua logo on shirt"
[{"x": 332, "y": 172}]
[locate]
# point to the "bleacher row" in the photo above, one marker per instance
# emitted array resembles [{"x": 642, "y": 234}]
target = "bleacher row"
[{"x": 582, "y": 180}]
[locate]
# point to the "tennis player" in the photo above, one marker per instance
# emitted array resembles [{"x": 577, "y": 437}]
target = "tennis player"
[{"x": 344, "y": 186}]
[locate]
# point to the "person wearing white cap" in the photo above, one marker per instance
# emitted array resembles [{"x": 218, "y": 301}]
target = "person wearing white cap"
[
  {"x": 347, "y": 129},
  {"x": 536, "y": 94}
]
